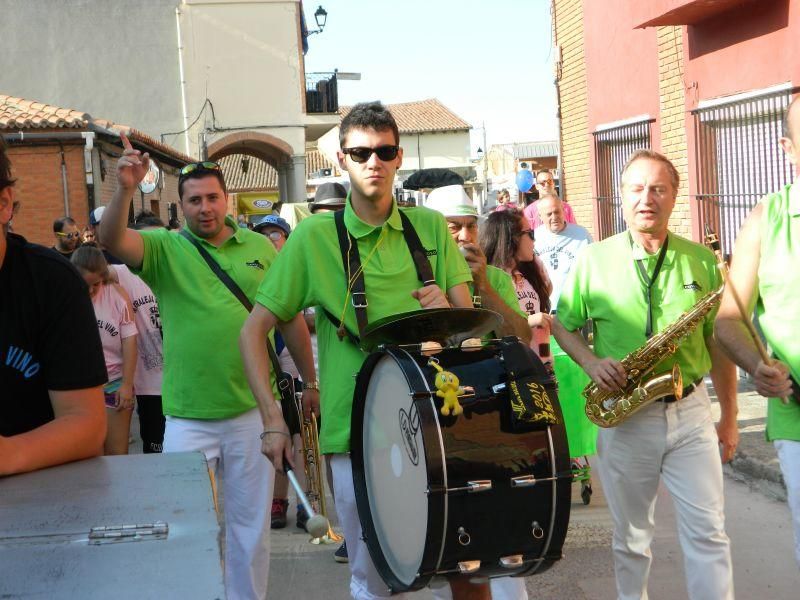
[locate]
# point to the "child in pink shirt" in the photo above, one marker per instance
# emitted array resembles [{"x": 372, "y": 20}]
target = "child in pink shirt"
[{"x": 117, "y": 329}]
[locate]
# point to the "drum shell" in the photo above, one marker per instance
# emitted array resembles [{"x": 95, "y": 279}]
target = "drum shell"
[{"x": 478, "y": 445}]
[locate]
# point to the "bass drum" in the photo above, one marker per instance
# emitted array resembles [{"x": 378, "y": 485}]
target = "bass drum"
[{"x": 441, "y": 496}]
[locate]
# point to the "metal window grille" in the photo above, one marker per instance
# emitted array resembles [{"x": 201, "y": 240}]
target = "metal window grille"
[
  {"x": 322, "y": 93},
  {"x": 738, "y": 160},
  {"x": 612, "y": 147}
]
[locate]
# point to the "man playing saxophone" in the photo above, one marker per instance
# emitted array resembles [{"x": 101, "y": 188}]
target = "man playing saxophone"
[{"x": 655, "y": 278}]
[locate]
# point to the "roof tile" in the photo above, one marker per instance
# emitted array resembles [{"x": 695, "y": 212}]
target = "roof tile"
[
  {"x": 18, "y": 113},
  {"x": 422, "y": 116}
]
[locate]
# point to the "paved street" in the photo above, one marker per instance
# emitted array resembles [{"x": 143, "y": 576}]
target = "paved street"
[{"x": 758, "y": 526}]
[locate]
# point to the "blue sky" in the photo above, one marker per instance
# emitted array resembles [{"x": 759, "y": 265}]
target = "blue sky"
[{"x": 490, "y": 61}]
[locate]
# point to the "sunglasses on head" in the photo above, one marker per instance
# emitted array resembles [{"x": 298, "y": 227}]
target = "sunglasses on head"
[
  {"x": 361, "y": 154},
  {"x": 69, "y": 236},
  {"x": 205, "y": 165}
]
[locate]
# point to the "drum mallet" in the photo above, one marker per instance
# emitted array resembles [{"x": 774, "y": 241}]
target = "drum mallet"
[{"x": 317, "y": 525}]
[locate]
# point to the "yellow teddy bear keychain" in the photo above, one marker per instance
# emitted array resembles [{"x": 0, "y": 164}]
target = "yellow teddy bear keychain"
[{"x": 448, "y": 388}]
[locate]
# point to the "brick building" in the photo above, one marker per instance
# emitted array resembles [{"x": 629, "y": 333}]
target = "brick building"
[
  {"x": 64, "y": 161},
  {"x": 705, "y": 83}
]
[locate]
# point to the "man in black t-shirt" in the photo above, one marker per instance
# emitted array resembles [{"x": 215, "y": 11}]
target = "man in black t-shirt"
[
  {"x": 51, "y": 360},
  {"x": 68, "y": 238}
]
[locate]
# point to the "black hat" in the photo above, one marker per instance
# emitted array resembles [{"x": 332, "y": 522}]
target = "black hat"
[{"x": 330, "y": 195}]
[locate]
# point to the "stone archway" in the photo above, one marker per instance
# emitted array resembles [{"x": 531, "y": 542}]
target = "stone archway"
[
  {"x": 272, "y": 150},
  {"x": 267, "y": 147}
]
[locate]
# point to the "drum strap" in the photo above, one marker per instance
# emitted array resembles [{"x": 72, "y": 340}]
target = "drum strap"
[{"x": 351, "y": 260}]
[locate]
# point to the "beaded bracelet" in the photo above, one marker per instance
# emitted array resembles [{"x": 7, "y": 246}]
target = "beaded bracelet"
[{"x": 266, "y": 431}]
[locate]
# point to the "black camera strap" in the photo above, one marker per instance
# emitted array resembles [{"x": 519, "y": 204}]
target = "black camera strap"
[{"x": 234, "y": 288}]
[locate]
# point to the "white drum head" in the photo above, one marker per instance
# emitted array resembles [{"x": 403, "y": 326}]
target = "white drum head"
[{"x": 395, "y": 470}]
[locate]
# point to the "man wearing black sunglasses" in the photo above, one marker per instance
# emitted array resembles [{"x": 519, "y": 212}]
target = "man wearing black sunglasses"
[
  {"x": 206, "y": 400},
  {"x": 68, "y": 238},
  {"x": 310, "y": 272}
]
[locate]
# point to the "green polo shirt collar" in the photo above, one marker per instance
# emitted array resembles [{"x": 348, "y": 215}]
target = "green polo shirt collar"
[
  {"x": 639, "y": 253},
  {"x": 359, "y": 229},
  {"x": 794, "y": 198},
  {"x": 237, "y": 233}
]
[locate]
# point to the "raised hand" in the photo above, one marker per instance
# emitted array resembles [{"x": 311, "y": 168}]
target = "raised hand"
[{"x": 132, "y": 165}]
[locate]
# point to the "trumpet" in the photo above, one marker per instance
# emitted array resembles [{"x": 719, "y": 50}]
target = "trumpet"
[{"x": 312, "y": 466}]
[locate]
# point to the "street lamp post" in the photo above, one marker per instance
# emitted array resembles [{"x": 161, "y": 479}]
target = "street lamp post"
[{"x": 321, "y": 17}]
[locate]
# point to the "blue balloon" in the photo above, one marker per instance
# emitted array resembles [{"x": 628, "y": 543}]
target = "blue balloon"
[{"x": 524, "y": 180}]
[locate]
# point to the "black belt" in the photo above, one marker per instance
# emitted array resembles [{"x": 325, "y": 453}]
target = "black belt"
[{"x": 686, "y": 391}]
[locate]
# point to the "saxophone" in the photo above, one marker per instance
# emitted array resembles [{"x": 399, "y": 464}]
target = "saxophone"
[{"x": 608, "y": 409}]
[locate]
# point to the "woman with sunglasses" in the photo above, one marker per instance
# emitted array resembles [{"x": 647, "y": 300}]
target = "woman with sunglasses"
[
  {"x": 118, "y": 333},
  {"x": 507, "y": 240}
]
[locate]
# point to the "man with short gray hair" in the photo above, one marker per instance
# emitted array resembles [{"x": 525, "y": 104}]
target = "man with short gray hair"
[
  {"x": 635, "y": 285},
  {"x": 558, "y": 243}
]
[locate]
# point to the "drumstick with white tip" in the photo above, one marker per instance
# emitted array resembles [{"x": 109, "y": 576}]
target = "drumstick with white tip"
[{"x": 317, "y": 525}]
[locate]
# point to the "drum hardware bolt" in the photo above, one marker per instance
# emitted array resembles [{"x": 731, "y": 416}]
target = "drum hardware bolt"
[
  {"x": 537, "y": 530},
  {"x": 463, "y": 538}
]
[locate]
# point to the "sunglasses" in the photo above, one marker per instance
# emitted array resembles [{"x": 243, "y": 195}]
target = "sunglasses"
[
  {"x": 361, "y": 154},
  {"x": 205, "y": 165},
  {"x": 528, "y": 232},
  {"x": 69, "y": 236},
  {"x": 275, "y": 235}
]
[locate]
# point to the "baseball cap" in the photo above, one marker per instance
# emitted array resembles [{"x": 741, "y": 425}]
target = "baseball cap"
[
  {"x": 273, "y": 221},
  {"x": 451, "y": 201},
  {"x": 96, "y": 215},
  {"x": 330, "y": 195}
]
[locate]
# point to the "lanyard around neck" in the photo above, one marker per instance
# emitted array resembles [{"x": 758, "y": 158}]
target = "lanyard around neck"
[{"x": 649, "y": 281}]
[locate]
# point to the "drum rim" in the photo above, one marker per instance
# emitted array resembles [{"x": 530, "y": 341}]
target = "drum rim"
[{"x": 437, "y": 503}]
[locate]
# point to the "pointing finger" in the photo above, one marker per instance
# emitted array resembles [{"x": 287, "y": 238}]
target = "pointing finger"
[{"x": 126, "y": 143}]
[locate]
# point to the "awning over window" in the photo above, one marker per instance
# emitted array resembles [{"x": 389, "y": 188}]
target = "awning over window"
[{"x": 655, "y": 13}]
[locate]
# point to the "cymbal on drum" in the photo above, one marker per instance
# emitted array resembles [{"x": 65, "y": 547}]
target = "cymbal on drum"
[{"x": 447, "y": 326}]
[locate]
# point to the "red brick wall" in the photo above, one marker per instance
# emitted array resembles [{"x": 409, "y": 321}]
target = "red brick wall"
[
  {"x": 40, "y": 192},
  {"x": 568, "y": 28}
]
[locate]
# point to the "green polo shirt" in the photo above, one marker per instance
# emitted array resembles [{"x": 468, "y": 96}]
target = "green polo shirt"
[
  {"x": 309, "y": 272},
  {"x": 606, "y": 286},
  {"x": 201, "y": 319},
  {"x": 778, "y": 308}
]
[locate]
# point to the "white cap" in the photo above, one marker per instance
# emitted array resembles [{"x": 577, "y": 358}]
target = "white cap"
[
  {"x": 97, "y": 214},
  {"x": 451, "y": 201}
]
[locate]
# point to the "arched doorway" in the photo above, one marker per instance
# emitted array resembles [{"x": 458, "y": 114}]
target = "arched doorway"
[{"x": 277, "y": 153}]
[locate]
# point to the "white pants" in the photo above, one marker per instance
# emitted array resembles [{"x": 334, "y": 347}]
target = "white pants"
[
  {"x": 365, "y": 582},
  {"x": 676, "y": 442},
  {"x": 789, "y": 456},
  {"x": 233, "y": 451}
]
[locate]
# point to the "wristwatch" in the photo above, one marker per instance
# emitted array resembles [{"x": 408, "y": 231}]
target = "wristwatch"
[{"x": 311, "y": 385}]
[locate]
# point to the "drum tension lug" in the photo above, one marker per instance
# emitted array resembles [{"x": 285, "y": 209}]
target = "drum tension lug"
[
  {"x": 465, "y": 567},
  {"x": 511, "y": 562}
]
